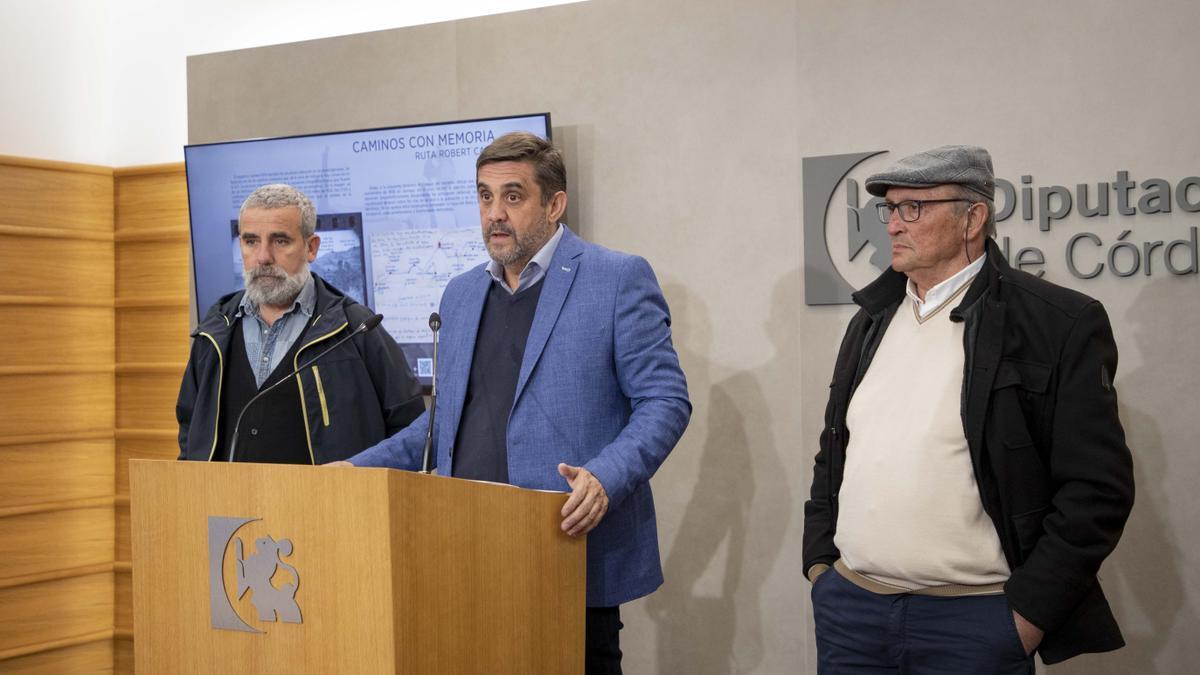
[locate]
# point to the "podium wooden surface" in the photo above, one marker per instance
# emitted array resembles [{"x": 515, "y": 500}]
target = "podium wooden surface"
[{"x": 399, "y": 572}]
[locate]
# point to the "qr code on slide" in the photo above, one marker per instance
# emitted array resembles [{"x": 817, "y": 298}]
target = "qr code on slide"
[{"x": 424, "y": 367}]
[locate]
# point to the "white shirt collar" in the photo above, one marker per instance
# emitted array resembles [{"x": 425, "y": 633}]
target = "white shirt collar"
[{"x": 939, "y": 294}]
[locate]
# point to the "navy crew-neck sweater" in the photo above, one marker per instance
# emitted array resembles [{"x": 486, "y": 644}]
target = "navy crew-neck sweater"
[
  {"x": 481, "y": 447},
  {"x": 273, "y": 429}
]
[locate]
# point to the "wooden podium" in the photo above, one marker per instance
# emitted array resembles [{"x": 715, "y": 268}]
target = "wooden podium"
[{"x": 398, "y": 572}]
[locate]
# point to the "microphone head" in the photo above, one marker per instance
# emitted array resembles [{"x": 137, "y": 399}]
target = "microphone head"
[
  {"x": 435, "y": 322},
  {"x": 370, "y": 323}
]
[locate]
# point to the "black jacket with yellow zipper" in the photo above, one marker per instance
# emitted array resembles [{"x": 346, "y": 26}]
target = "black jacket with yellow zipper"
[{"x": 352, "y": 398}]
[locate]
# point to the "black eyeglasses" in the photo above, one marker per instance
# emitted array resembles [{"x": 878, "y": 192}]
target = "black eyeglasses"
[{"x": 909, "y": 209}]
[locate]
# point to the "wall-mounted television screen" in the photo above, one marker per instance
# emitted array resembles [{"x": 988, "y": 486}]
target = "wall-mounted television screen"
[{"x": 396, "y": 212}]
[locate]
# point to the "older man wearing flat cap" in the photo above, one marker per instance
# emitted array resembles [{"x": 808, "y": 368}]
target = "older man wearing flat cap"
[{"x": 972, "y": 472}]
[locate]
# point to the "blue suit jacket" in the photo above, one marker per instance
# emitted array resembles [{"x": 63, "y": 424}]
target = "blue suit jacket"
[{"x": 599, "y": 387}]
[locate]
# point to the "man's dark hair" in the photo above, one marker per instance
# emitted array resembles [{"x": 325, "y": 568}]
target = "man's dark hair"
[{"x": 522, "y": 146}]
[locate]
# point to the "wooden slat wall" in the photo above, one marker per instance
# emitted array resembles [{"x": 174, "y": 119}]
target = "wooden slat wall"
[
  {"x": 151, "y": 299},
  {"x": 57, "y": 409},
  {"x": 93, "y": 338}
]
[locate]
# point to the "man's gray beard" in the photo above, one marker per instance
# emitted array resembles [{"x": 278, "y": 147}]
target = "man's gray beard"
[
  {"x": 522, "y": 248},
  {"x": 268, "y": 285}
]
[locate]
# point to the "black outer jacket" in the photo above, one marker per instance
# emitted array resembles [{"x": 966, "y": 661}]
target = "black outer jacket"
[
  {"x": 1048, "y": 450},
  {"x": 355, "y": 396}
]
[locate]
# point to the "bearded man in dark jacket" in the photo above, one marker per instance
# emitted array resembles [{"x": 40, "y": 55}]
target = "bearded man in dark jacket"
[{"x": 352, "y": 398}]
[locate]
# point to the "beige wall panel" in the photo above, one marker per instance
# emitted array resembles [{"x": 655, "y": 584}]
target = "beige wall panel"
[
  {"x": 45, "y": 472},
  {"x": 42, "y": 266},
  {"x": 31, "y": 197},
  {"x": 357, "y": 62},
  {"x": 43, "y": 404},
  {"x": 152, "y": 201},
  {"x": 152, "y": 269},
  {"x": 122, "y": 548},
  {"x": 46, "y": 335},
  {"x": 123, "y": 656},
  {"x": 152, "y": 334},
  {"x": 142, "y": 448},
  {"x": 92, "y": 658},
  {"x": 147, "y": 400},
  {"x": 52, "y": 610},
  {"x": 123, "y": 582},
  {"x": 32, "y": 543}
]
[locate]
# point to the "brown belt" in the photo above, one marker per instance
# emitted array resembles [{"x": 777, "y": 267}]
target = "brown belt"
[{"x": 944, "y": 591}]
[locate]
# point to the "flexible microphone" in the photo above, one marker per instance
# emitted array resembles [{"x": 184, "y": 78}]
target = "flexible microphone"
[
  {"x": 363, "y": 327},
  {"x": 435, "y": 324}
]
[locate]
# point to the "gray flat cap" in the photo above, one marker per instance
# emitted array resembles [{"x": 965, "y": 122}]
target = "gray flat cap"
[{"x": 966, "y": 165}]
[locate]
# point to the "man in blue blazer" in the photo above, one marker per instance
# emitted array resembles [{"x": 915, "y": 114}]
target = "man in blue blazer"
[{"x": 557, "y": 371}]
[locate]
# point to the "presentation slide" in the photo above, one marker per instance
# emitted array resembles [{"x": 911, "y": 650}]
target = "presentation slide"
[{"x": 396, "y": 213}]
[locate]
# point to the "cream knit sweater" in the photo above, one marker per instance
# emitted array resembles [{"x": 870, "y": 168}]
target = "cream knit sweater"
[{"x": 910, "y": 513}]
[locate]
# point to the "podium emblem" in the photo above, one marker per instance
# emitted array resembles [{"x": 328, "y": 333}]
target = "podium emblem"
[{"x": 255, "y": 572}]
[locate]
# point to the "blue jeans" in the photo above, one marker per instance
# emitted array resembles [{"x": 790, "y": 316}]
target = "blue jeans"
[{"x": 863, "y": 632}]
